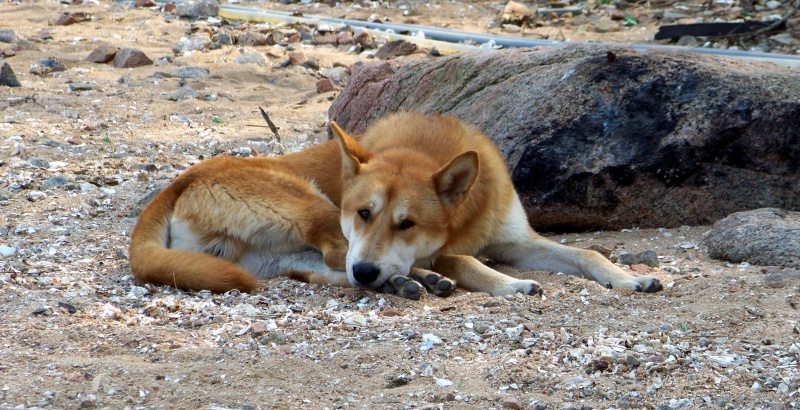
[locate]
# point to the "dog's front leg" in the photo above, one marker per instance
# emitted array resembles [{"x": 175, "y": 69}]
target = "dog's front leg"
[
  {"x": 539, "y": 253},
  {"x": 471, "y": 274}
]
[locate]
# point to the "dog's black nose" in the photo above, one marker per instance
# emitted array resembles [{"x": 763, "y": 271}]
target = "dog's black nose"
[{"x": 365, "y": 272}]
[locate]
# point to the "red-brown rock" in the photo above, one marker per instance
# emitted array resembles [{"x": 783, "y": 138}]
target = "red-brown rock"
[
  {"x": 130, "y": 58},
  {"x": 325, "y": 86},
  {"x": 102, "y": 54}
]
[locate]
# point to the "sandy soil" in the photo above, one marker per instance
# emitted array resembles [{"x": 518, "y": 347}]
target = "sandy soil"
[{"x": 77, "y": 332}]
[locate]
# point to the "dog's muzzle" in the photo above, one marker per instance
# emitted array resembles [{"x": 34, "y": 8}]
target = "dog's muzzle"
[{"x": 366, "y": 273}]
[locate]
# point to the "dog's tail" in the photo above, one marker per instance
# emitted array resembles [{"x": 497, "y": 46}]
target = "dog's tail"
[{"x": 153, "y": 262}]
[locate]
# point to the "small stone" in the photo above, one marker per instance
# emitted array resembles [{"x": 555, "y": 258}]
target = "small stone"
[
  {"x": 5, "y": 194},
  {"x": 130, "y": 58},
  {"x": 35, "y": 196},
  {"x": 345, "y": 38},
  {"x": 102, "y": 54},
  {"x": 325, "y": 85},
  {"x": 55, "y": 182},
  {"x": 648, "y": 257},
  {"x": 631, "y": 361},
  {"x": 223, "y": 38},
  {"x": 688, "y": 41},
  {"x": 197, "y": 9},
  {"x": 482, "y": 327},
  {"x": 47, "y": 66},
  {"x": 190, "y": 72},
  {"x": 184, "y": 93},
  {"x": 252, "y": 57},
  {"x": 297, "y": 58},
  {"x": 196, "y": 42},
  {"x": 170, "y": 8},
  {"x": 443, "y": 397},
  {"x": 601, "y": 250},
  {"x": 145, "y": 3},
  {"x": 277, "y": 337},
  {"x": 40, "y": 163},
  {"x": 66, "y": 20},
  {"x": 77, "y": 87},
  {"x": 7, "y": 36},
  {"x": 66, "y": 306},
  {"x": 325, "y": 39},
  {"x": 606, "y": 26},
  {"x": 7, "y": 77},
  {"x": 338, "y": 75},
  {"x": 781, "y": 279},
  {"x": 252, "y": 39},
  {"x": 512, "y": 403},
  {"x": 6, "y": 251},
  {"x": 773, "y": 4},
  {"x": 395, "y": 49}
]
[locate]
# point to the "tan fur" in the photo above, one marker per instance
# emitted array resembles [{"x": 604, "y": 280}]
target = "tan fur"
[{"x": 415, "y": 195}]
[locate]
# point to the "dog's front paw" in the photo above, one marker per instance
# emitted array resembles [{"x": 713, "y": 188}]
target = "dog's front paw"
[
  {"x": 526, "y": 287},
  {"x": 402, "y": 286},
  {"x": 647, "y": 284},
  {"x": 434, "y": 283}
]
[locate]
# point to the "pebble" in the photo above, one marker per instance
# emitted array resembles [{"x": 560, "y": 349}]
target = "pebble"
[
  {"x": 395, "y": 49},
  {"x": 40, "y": 163},
  {"x": 185, "y": 93},
  {"x": 606, "y": 26},
  {"x": 298, "y": 58},
  {"x": 5, "y": 194},
  {"x": 54, "y": 182},
  {"x": 131, "y": 58},
  {"x": 512, "y": 403},
  {"x": 338, "y": 75},
  {"x": 190, "y": 72},
  {"x": 50, "y": 65},
  {"x": 252, "y": 39},
  {"x": 7, "y": 36},
  {"x": 196, "y": 42},
  {"x": 66, "y": 20},
  {"x": 252, "y": 57},
  {"x": 325, "y": 85},
  {"x": 223, "y": 38},
  {"x": 7, "y": 76},
  {"x": 196, "y": 9},
  {"x": 76, "y": 87},
  {"x": 6, "y": 251},
  {"x": 648, "y": 257}
]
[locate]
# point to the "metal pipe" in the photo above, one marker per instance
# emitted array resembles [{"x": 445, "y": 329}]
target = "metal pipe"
[{"x": 448, "y": 40}]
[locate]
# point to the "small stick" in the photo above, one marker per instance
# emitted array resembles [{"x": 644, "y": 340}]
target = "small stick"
[{"x": 272, "y": 126}]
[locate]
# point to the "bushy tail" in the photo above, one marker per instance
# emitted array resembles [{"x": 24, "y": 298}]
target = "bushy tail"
[{"x": 152, "y": 262}]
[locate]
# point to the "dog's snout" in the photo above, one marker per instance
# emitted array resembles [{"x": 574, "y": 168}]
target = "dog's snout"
[{"x": 366, "y": 272}]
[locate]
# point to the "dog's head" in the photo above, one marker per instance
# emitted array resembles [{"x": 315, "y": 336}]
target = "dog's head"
[{"x": 396, "y": 205}]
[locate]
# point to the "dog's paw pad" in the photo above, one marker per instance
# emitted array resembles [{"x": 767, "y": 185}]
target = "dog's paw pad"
[
  {"x": 435, "y": 283},
  {"x": 527, "y": 287},
  {"x": 402, "y": 286}
]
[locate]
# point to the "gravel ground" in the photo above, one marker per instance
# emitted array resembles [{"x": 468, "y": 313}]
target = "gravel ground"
[{"x": 81, "y": 147}]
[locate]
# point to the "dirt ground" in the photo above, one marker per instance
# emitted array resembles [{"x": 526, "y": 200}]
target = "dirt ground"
[{"x": 77, "y": 332}]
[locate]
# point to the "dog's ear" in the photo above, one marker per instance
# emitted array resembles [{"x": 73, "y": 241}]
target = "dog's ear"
[
  {"x": 454, "y": 181},
  {"x": 353, "y": 154}
]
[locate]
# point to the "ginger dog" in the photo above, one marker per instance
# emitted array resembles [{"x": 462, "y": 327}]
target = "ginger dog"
[{"x": 407, "y": 205}]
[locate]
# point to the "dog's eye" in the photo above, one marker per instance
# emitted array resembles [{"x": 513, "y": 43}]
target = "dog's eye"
[
  {"x": 364, "y": 214},
  {"x": 406, "y": 224}
]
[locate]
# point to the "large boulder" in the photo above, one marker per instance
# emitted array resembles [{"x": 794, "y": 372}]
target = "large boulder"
[{"x": 599, "y": 137}]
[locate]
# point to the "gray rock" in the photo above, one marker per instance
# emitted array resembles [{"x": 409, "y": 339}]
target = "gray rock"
[
  {"x": 7, "y": 76},
  {"x": 39, "y": 163},
  {"x": 338, "y": 75},
  {"x": 184, "y": 93},
  {"x": 7, "y": 36},
  {"x": 782, "y": 279},
  {"x": 76, "y": 87},
  {"x": 635, "y": 139},
  {"x": 196, "y": 42},
  {"x": 648, "y": 257},
  {"x": 252, "y": 39},
  {"x": 190, "y": 72},
  {"x": 606, "y": 26},
  {"x": 197, "y": 9},
  {"x": 765, "y": 236},
  {"x": 54, "y": 182},
  {"x": 5, "y": 194},
  {"x": 252, "y": 57},
  {"x": 51, "y": 65},
  {"x": 223, "y": 38}
]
